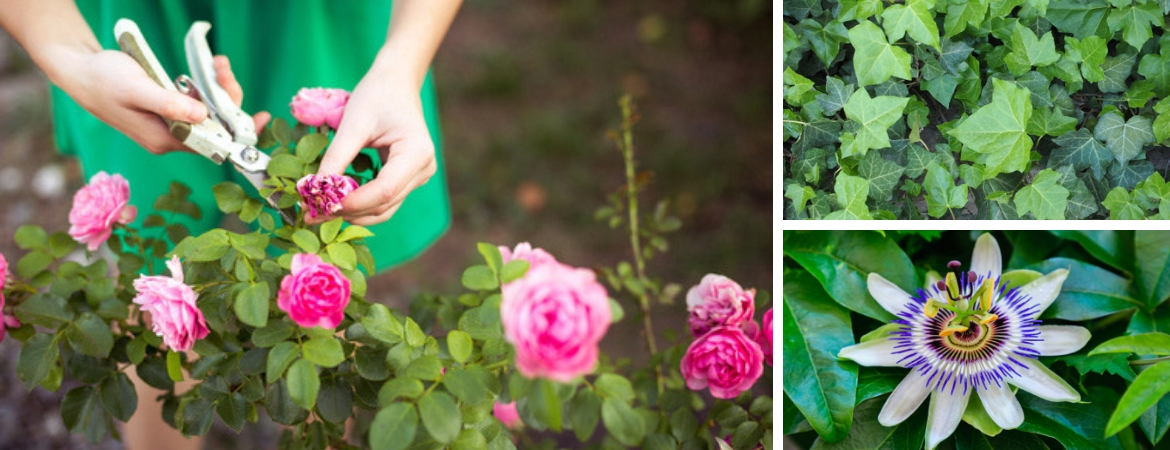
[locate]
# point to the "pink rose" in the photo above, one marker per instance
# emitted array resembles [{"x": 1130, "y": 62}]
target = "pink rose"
[
  {"x": 507, "y": 414},
  {"x": 725, "y": 359},
  {"x": 97, "y": 206},
  {"x": 525, "y": 251},
  {"x": 765, "y": 337},
  {"x": 317, "y": 106},
  {"x": 321, "y": 195},
  {"x": 3, "y": 278},
  {"x": 555, "y": 316},
  {"x": 718, "y": 301},
  {"x": 171, "y": 304},
  {"x": 315, "y": 293}
]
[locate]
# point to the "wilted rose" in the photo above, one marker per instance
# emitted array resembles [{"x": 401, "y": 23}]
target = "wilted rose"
[
  {"x": 315, "y": 294},
  {"x": 321, "y": 195},
  {"x": 718, "y": 301},
  {"x": 97, "y": 207},
  {"x": 555, "y": 316},
  {"x": 171, "y": 304},
  {"x": 725, "y": 360},
  {"x": 317, "y": 106}
]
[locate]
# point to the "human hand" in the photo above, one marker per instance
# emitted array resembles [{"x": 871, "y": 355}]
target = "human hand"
[
  {"x": 383, "y": 112},
  {"x": 114, "y": 88}
]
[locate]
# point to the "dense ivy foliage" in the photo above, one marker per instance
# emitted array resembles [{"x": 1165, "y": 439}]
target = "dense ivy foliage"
[
  {"x": 1117, "y": 288},
  {"x": 976, "y": 109}
]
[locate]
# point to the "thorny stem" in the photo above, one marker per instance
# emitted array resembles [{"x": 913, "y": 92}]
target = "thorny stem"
[{"x": 626, "y": 145}]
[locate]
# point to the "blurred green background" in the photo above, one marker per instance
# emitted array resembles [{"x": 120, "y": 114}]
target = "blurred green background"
[{"x": 527, "y": 91}]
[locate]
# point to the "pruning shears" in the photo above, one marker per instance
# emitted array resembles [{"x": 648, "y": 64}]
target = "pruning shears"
[{"x": 228, "y": 133}]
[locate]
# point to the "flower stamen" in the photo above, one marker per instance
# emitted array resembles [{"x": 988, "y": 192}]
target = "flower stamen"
[{"x": 952, "y": 329}]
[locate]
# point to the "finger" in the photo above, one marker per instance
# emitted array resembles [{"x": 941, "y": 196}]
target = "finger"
[
  {"x": 227, "y": 79},
  {"x": 346, "y": 144},
  {"x": 172, "y": 105},
  {"x": 374, "y": 220},
  {"x": 317, "y": 220},
  {"x": 407, "y": 160},
  {"x": 261, "y": 120},
  {"x": 152, "y": 133}
]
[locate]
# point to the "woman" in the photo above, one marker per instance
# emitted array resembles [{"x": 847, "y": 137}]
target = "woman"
[{"x": 106, "y": 110}]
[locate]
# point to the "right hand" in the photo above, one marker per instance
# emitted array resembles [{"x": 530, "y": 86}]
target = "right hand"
[{"x": 114, "y": 88}]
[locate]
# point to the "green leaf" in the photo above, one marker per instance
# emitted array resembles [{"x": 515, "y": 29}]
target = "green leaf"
[
  {"x": 323, "y": 351},
  {"x": 174, "y": 366},
  {"x": 1081, "y": 18},
  {"x": 1114, "y": 363},
  {"x": 440, "y": 416},
  {"x": 815, "y": 330},
  {"x": 513, "y": 270},
  {"x": 1134, "y": 22},
  {"x": 491, "y": 255},
  {"x": 381, "y": 325},
  {"x": 837, "y": 93},
  {"x": 306, "y": 241},
  {"x": 969, "y": 438},
  {"x": 915, "y": 18},
  {"x": 310, "y": 146},
  {"x": 941, "y": 193},
  {"x": 1123, "y": 138},
  {"x": 825, "y": 40},
  {"x": 29, "y": 237},
  {"x": 1050, "y": 122},
  {"x": 883, "y": 176},
  {"x": 400, "y": 387},
  {"x": 37, "y": 358},
  {"x": 1091, "y": 53},
  {"x": 459, "y": 345},
  {"x": 961, "y": 14},
  {"x": 1076, "y": 426},
  {"x": 996, "y": 133},
  {"x": 466, "y": 385},
  {"x": 415, "y": 337},
  {"x": 1029, "y": 51},
  {"x": 1117, "y": 70},
  {"x": 46, "y": 310},
  {"x": 867, "y": 433},
  {"x": 622, "y": 422},
  {"x": 118, "y": 396},
  {"x": 874, "y": 59},
  {"x": 1152, "y": 251},
  {"x": 614, "y": 386},
  {"x": 353, "y": 232},
  {"x": 33, "y": 263},
  {"x": 1121, "y": 207},
  {"x": 1141, "y": 344},
  {"x": 1089, "y": 291},
  {"x": 1082, "y": 151},
  {"x": 251, "y": 305},
  {"x": 229, "y": 196},
  {"x": 335, "y": 402},
  {"x": 342, "y": 255},
  {"x": 545, "y": 404},
  {"x": 855, "y": 9},
  {"x": 851, "y": 193},
  {"x": 841, "y": 261},
  {"x": 303, "y": 383},
  {"x": 1143, "y": 393},
  {"x": 82, "y": 413},
  {"x": 585, "y": 413},
  {"x": 233, "y": 410},
  {"x": 479, "y": 278},
  {"x": 394, "y": 427},
  {"x": 1045, "y": 198},
  {"x": 876, "y": 381},
  {"x": 330, "y": 229},
  {"x": 272, "y": 334},
  {"x": 279, "y": 358},
  {"x": 875, "y": 115},
  {"x": 90, "y": 335},
  {"x": 424, "y": 368},
  {"x": 800, "y": 195}
]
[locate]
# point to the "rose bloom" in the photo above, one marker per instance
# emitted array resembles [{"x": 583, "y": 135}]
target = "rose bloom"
[
  {"x": 765, "y": 337},
  {"x": 555, "y": 316},
  {"x": 317, "y": 106},
  {"x": 507, "y": 414},
  {"x": 718, "y": 301},
  {"x": 171, "y": 304},
  {"x": 525, "y": 251},
  {"x": 315, "y": 294},
  {"x": 726, "y": 360},
  {"x": 97, "y": 206},
  {"x": 9, "y": 321},
  {"x": 321, "y": 195}
]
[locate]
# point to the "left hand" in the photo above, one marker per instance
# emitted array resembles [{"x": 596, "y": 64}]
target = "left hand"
[{"x": 384, "y": 112}]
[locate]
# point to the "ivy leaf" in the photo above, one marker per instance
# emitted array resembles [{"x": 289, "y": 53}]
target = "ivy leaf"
[
  {"x": 1124, "y": 139},
  {"x": 912, "y": 18},
  {"x": 1081, "y": 203},
  {"x": 1128, "y": 175},
  {"x": 1162, "y": 122},
  {"x": 860, "y": 9},
  {"x": 961, "y": 14},
  {"x": 996, "y": 133},
  {"x": 953, "y": 56},
  {"x": 883, "y": 175},
  {"x": 825, "y": 40},
  {"x": 835, "y": 96},
  {"x": 1051, "y": 122},
  {"x": 1156, "y": 68},
  {"x": 1082, "y": 19},
  {"x": 798, "y": 90},
  {"x": 1045, "y": 198},
  {"x": 1121, "y": 207},
  {"x": 1082, "y": 151},
  {"x": 1117, "y": 70},
  {"x": 801, "y": 9},
  {"x": 942, "y": 88},
  {"x": 799, "y": 195},
  {"x": 875, "y": 115},
  {"x": 1134, "y": 22},
  {"x": 941, "y": 193},
  {"x": 851, "y": 193},
  {"x": 1029, "y": 51},
  {"x": 1090, "y": 53},
  {"x": 875, "y": 60}
]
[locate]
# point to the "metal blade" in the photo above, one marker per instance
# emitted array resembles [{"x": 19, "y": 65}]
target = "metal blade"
[
  {"x": 253, "y": 165},
  {"x": 199, "y": 62}
]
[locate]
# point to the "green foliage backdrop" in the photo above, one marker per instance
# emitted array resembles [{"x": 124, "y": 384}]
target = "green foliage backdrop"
[
  {"x": 976, "y": 109},
  {"x": 1117, "y": 288}
]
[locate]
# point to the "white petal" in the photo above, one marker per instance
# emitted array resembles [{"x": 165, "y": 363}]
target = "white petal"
[
  {"x": 986, "y": 259},
  {"x": 875, "y": 353},
  {"x": 946, "y": 411},
  {"x": 1042, "y": 383},
  {"x": 905, "y": 400},
  {"x": 1061, "y": 339},
  {"x": 1000, "y": 403},
  {"x": 887, "y": 294},
  {"x": 1044, "y": 290},
  {"x": 932, "y": 278}
]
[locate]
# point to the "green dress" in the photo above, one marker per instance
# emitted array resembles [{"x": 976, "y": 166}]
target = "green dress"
[{"x": 276, "y": 47}]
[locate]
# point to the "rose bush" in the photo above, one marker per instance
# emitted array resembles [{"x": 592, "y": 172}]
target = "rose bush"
[{"x": 277, "y": 319}]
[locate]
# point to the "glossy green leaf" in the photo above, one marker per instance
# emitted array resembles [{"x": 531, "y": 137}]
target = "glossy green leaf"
[
  {"x": 851, "y": 194},
  {"x": 1143, "y": 393},
  {"x": 875, "y": 115},
  {"x": 825, "y": 39},
  {"x": 1090, "y": 53},
  {"x": 915, "y": 18},
  {"x": 1134, "y": 22},
  {"x": 941, "y": 193},
  {"x": 1152, "y": 251},
  {"x": 868, "y": 434},
  {"x": 1121, "y": 206},
  {"x": 874, "y": 59},
  {"x": 1124, "y": 139},
  {"x": 1045, "y": 198},
  {"x": 1155, "y": 343},
  {"x": 1076, "y": 426},
  {"x": 837, "y": 93},
  {"x": 883, "y": 176},
  {"x": 1089, "y": 291},
  {"x": 251, "y": 305},
  {"x": 841, "y": 261},
  {"x": 1030, "y": 51},
  {"x": 996, "y": 133}
]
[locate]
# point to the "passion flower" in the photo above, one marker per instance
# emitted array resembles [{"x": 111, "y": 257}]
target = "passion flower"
[{"x": 969, "y": 332}]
